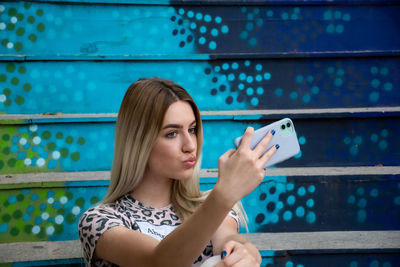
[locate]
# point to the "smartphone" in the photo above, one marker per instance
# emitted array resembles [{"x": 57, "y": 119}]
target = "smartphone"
[{"x": 285, "y": 136}]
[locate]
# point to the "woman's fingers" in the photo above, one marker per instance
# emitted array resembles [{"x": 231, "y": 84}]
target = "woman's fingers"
[
  {"x": 267, "y": 155},
  {"x": 263, "y": 144},
  {"x": 246, "y": 139}
]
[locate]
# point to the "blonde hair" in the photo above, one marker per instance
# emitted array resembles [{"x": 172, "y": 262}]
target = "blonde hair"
[{"x": 138, "y": 124}]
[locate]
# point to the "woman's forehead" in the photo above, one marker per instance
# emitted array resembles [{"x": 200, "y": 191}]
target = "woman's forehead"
[{"x": 179, "y": 112}]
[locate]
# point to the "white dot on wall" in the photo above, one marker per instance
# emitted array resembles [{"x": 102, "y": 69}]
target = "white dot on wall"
[
  {"x": 56, "y": 155},
  {"x": 22, "y": 141},
  {"x": 33, "y": 128},
  {"x": 36, "y": 140},
  {"x": 2, "y": 26},
  {"x": 76, "y": 210},
  {"x": 13, "y": 20},
  {"x": 63, "y": 200},
  {"x": 59, "y": 219},
  {"x": 27, "y": 162},
  {"x": 50, "y": 200},
  {"x": 3, "y": 98},
  {"x": 40, "y": 162},
  {"x": 45, "y": 216},
  {"x": 10, "y": 45},
  {"x": 35, "y": 229},
  {"x": 50, "y": 230},
  {"x": 1, "y": 8}
]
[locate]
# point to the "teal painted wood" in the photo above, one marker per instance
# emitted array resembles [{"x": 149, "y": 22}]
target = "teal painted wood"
[
  {"x": 98, "y": 87},
  {"x": 53, "y": 31},
  {"x": 89, "y": 146}
]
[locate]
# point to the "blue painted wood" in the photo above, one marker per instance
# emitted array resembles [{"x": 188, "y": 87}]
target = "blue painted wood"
[
  {"x": 93, "y": 87},
  {"x": 48, "y": 30},
  {"x": 89, "y": 147}
]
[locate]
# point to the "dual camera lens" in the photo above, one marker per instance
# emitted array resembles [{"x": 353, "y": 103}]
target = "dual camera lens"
[{"x": 287, "y": 125}]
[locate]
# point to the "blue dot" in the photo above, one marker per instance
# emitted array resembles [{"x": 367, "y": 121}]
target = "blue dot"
[
  {"x": 26, "y": 217},
  {"x": 331, "y": 70},
  {"x": 190, "y": 14},
  {"x": 287, "y": 215},
  {"x": 50, "y": 194},
  {"x": 207, "y": 18},
  {"x": 301, "y": 191},
  {"x": 181, "y": 11},
  {"x": 193, "y": 25},
  {"x": 358, "y": 140},
  {"x": 387, "y": 264},
  {"x": 43, "y": 206},
  {"x": 354, "y": 264},
  {"x": 328, "y": 15},
  {"x": 374, "y": 192},
  {"x": 397, "y": 201},
  {"x": 259, "y": 78},
  {"x": 12, "y": 199},
  {"x": 199, "y": 16},
  {"x": 351, "y": 199},
  {"x": 260, "y": 90},
  {"x": 302, "y": 140},
  {"x": 25, "y": 191},
  {"x": 270, "y": 13},
  {"x": 293, "y": 95},
  {"x": 374, "y": 70},
  {"x": 249, "y": 79},
  {"x": 354, "y": 150},
  {"x": 383, "y": 145},
  {"x": 291, "y": 200},
  {"x": 253, "y": 41},
  {"x": 346, "y": 17},
  {"x": 289, "y": 264},
  {"x": 247, "y": 63},
  {"x": 21, "y": 155},
  {"x": 388, "y": 86},
  {"x": 330, "y": 28},
  {"x": 310, "y": 78},
  {"x": 244, "y": 35},
  {"x": 315, "y": 90},
  {"x": 285, "y": 16},
  {"x": 203, "y": 29},
  {"x": 249, "y": 91},
  {"x": 310, "y": 203},
  {"x": 235, "y": 65},
  {"x": 299, "y": 78},
  {"x": 278, "y": 91},
  {"x": 310, "y": 218},
  {"x": 267, "y": 76},
  {"x": 202, "y": 40},
  {"x": 374, "y": 96},
  {"x": 3, "y": 228},
  {"x": 30, "y": 209},
  {"x": 306, "y": 98},
  {"x": 52, "y": 164},
  {"x": 34, "y": 197},
  {"x": 217, "y": 68},
  {"x": 384, "y": 133},
  {"x": 254, "y": 101},
  {"x": 360, "y": 191},
  {"x": 338, "y": 14},
  {"x": 218, "y": 19},
  {"x": 375, "y": 83},
  {"x": 242, "y": 76},
  {"x": 294, "y": 17},
  {"x": 374, "y": 138},
  {"x": 362, "y": 203},
  {"x": 231, "y": 77},
  {"x": 298, "y": 155},
  {"x": 338, "y": 82},
  {"x": 374, "y": 263},
  {"x": 311, "y": 189},
  {"x": 38, "y": 220},
  {"x": 225, "y": 66},
  {"x": 290, "y": 186},
  {"x": 241, "y": 86},
  {"x": 384, "y": 71},
  {"x": 250, "y": 16},
  {"x": 339, "y": 28},
  {"x": 300, "y": 211},
  {"x": 56, "y": 204},
  {"x": 259, "y": 67},
  {"x": 249, "y": 26},
  {"x": 361, "y": 216},
  {"x": 214, "y": 32}
]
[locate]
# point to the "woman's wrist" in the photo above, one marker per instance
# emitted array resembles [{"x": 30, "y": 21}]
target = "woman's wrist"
[{"x": 222, "y": 197}]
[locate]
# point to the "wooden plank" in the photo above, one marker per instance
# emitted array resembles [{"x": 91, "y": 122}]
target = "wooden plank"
[
  {"x": 324, "y": 142},
  {"x": 348, "y": 240},
  {"x": 343, "y": 85},
  {"x": 24, "y": 178},
  {"x": 137, "y": 30}
]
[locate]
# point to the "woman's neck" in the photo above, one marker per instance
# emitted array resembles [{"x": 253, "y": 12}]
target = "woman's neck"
[{"x": 153, "y": 192}]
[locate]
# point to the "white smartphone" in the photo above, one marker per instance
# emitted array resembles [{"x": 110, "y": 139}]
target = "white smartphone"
[{"x": 285, "y": 136}]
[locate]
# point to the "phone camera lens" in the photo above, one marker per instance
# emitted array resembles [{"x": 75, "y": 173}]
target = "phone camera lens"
[
  {"x": 288, "y": 124},
  {"x": 283, "y": 127}
]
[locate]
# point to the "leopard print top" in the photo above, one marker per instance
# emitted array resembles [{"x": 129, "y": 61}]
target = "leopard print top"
[{"x": 132, "y": 214}]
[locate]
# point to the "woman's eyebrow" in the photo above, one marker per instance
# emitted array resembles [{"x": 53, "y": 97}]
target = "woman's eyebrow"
[{"x": 176, "y": 126}]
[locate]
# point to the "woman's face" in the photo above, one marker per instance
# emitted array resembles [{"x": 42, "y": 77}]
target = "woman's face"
[{"x": 174, "y": 152}]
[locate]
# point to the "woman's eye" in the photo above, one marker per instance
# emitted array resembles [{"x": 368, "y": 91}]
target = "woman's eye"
[
  {"x": 171, "y": 134},
  {"x": 193, "y": 130}
]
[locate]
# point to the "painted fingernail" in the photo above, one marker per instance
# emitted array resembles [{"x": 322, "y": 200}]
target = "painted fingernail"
[
  {"x": 223, "y": 254},
  {"x": 273, "y": 132},
  {"x": 277, "y": 146}
]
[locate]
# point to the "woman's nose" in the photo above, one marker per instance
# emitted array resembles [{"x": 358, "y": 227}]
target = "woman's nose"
[{"x": 189, "y": 143}]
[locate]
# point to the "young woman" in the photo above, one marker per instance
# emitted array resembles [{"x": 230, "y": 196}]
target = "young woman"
[{"x": 153, "y": 213}]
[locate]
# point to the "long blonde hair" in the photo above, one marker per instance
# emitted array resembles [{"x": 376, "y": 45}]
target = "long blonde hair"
[{"x": 138, "y": 124}]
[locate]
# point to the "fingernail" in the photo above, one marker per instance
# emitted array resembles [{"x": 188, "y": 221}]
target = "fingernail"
[
  {"x": 223, "y": 254},
  {"x": 277, "y": 146},
  {"x": 273, "y": 132}
]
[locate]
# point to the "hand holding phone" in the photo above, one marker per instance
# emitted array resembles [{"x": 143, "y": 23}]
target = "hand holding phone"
[{"x": 285, "y": 136}]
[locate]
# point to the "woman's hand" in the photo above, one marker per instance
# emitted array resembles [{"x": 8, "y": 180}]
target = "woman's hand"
[
  {"x": 242, "y": 170},
  {"x": 236, "y": 254}
]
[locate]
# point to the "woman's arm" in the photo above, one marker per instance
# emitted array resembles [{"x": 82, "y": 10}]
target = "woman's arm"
[
  {"x": 227, "y": 239},
  {"x": 240, "y": 171}
]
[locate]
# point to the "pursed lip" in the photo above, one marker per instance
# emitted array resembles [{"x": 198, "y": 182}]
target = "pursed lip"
[{"x": 190, "y": 161}]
